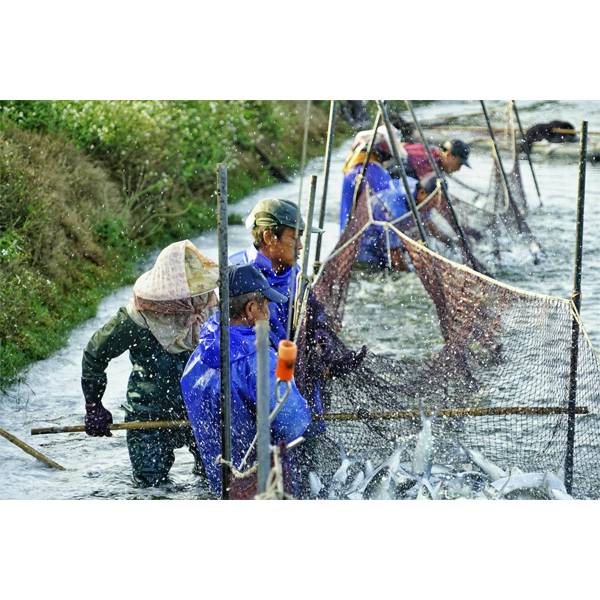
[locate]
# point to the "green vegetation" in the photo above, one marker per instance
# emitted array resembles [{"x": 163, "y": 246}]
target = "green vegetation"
[{"x": 88, "y": 187}]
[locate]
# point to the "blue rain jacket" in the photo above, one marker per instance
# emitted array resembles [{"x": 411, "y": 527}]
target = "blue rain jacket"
[
  {"x": 280, "y": 282},
  {"x": 278, "y": 316},
  {"x": 201, "y": 388},
  {"x": 388, "y": 203}
]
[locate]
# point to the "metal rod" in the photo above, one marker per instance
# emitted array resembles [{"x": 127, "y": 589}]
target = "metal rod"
[
  {"x": 224, "y": 332},
  {"x": 396, "y": 153},
  {"x": 348, "y": 416},
  {"x": 292, "y": 289},
  {"x": 263, "y": 394},
  {"x": 461, "y": 235},
  {"x": 306, "y": 243},
  {"x": 326, "y": 167},
  {"x": 359, "y": 178},
  {"x": 521, "y": 223},
  {"x": 31, "y": 451},
  {"x": 526, "y": 148},
  {"x": 570, "y": 455},
  {"x": 304, "y": 149}
]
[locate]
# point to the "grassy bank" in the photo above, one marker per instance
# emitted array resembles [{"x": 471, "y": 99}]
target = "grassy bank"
[{"x": 87, "y": 188}]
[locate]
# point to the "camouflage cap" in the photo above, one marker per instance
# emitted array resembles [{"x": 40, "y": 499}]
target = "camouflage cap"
[{"x": 275, "y": 211}]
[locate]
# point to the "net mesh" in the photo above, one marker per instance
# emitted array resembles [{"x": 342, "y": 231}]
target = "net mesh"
[{"x": 494, "y": 362}]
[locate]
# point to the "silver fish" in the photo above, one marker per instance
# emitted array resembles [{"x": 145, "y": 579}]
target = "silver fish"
[
  {"x": 423, "y": 455},
  {"x": 315, "y": 484},
  {"x": 494, "y": 472}
]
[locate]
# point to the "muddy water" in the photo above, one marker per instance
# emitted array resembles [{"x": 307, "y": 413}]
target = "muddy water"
[{"x": 99, "y": 467}]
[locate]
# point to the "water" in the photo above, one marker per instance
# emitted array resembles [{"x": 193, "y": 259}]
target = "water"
[{"x": 99, "y": 467}]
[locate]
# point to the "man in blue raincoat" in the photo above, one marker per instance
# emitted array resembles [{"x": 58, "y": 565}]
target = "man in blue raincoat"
[
  {"x": 387, "y": 197},
  {"x": 274, "y": 252},
  {"x": 250, "y": 297}
]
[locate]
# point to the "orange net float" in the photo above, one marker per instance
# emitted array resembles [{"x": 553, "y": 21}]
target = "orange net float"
[{"x": 286, "y": 360}]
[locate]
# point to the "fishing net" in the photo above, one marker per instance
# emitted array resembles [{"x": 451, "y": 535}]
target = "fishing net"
[{"x": 493, "y": 363}]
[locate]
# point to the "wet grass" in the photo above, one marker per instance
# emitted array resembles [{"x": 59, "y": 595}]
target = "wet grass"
[{"x": 88, "y": 188}]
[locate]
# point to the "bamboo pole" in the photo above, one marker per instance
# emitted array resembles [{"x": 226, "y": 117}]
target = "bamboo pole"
[
  {"x": 31, "y": 451},
  {"x": 468, "y": 253},
  {"x": 114, "y": 427},
  {"x": 326, "y": 168},
  {"x": 396, "y": 154},
  {"x": 303, "y": 276},
  {"x": 570, "y": 453},
  {"x": 478, "y": 129},
  {"x": 455, "y": 412},
  {"x": 349, "y": 416},
  {"x": 523, "y": 227},
  {"x": 293, "y": 291},
  {"x": 222, "y": 243},
  {"x": 363, "y": 169},
  {"x": 263, "y": 395},
  {"x": 527, "y": 150}
]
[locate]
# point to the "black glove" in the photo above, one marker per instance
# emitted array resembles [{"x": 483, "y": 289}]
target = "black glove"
[{"x": 97, "y": 418}]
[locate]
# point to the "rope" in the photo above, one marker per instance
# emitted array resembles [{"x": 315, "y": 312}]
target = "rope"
[{"x": 280, "y": 400}]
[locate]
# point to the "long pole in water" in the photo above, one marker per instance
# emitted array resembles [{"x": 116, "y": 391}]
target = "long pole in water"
[
  {"x": 360, "y": 415},
  {"x": 461, "y": 234},
  {"x": 306, "y": 241},
  {"x": 31, "y": 451},
  {"x": 576, "y": 299},
  {"x": 224, "y": 326},
  {"x": 534, "y": 246},
  {"x": 359, "y": 178},
  {"x": 293, "y": 291},
  {"x": 263, "y": 393},
  {"x": 396, "y": 153},
  {"x": 526, "y": 148},
  {"x": 326, "y": 167}
]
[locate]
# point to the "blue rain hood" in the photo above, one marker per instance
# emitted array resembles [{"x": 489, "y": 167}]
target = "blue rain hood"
[
  {"x": 201, "y": 389},
  {"x": 241, "y": 342}
]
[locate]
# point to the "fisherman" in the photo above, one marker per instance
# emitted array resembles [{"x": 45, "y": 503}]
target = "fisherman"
[
  {"x": 450, "y": 158},
  {"x": 376, "y": 175},
  {"x": 160, "y": 328},
  {"x": 250, "y": 299},
  {"x": 388, "y": 201},
  {"x": 274, "y": 253},
  {"x": 387, "y": 197}
]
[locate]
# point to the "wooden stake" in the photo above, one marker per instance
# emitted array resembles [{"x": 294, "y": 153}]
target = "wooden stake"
[
  {"x": 31, "y": 451},
  {"x": 348, "y": 416}
]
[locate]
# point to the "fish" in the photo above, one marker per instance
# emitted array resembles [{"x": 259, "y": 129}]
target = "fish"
[
  {"x": 556, "y": 487},
  {"x": 338, "y": 481},
  {"x": 356, "y": 483},
  {"x": 493, "y": 471},
  {"x": 423, "y": 456},
  {"x": 341, "y": 475},
  {"x": 519, "y": 481},
  {"x": 315, "y": 484}
]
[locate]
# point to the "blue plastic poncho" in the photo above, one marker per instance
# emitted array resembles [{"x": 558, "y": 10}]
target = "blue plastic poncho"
[
  {"x": 278, "y": 319},
  {"x": 388, "y": 202},
  {"x": 201, "y": 389},
  {"x": 280, "y": 282}
]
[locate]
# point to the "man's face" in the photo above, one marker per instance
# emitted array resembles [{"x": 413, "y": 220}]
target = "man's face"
[
  {"x": 450, "y": 162},
  {"x": 286, "y": 247},
  {"x": 261, "y": 310}
]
